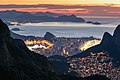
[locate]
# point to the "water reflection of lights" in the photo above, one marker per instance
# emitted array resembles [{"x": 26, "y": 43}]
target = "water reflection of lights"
[{"x": 89, "y": 44}]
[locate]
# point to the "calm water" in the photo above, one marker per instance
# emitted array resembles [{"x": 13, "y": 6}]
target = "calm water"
[
  {"x": 71, "y": 29},
  {"x": 65, "y": 29}
]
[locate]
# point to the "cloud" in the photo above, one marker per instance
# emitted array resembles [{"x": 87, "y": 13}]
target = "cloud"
[
  {"x": 48, "y": 6},
  {"x": 111, "y": 10}
]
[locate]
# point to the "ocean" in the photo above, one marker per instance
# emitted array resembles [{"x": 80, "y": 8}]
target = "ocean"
[{"x": 69, "y": 29}]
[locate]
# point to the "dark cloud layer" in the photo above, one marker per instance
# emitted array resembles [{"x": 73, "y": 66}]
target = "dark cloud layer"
[{"x": 89, "y": 9}]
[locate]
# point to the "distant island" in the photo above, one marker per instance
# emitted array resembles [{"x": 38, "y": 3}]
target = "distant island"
[
  {"x": 17, "y": 17},
  {"x": 15, "y": 29},
  {"x": 26, "y": 17},
  {"x": 95, "y": 23}
]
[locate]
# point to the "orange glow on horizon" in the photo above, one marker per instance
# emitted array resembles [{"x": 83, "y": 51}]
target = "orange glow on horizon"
[
  {"x": 60, "y": 2},
  {"x": 77, "y": 7},
  {"x": 68, "y": 11}
]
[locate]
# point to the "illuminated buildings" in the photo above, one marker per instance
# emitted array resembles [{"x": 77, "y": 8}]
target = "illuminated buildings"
[
  {"x": 39, "y": 44},
  {"x": 97, "y": 63},
  {"x": 62, "y": 46}
]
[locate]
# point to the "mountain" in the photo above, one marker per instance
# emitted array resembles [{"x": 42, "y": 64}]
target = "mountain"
[
  {"x": 47, "y": 14},
  {"x": 25, "y": 17},
  {"x": 49, "y": 36},
  {"x": 17, "y": 62},
  {"x": 109, "y": 43},
  {"x": 9, "y": 15},
  {"x": 116, "y": 37}
]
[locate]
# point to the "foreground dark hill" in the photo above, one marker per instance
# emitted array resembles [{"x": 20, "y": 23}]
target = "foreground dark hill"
[
  {"x": 109, "y": 43},
  {"x": 17, "y": 62}
]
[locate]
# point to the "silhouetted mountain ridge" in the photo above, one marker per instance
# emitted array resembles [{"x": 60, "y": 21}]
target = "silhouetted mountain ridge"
[
  {"x": 25, "y": 17},
  {"x": 17, "y": 62},
  {"x": 47, "y": 14}
]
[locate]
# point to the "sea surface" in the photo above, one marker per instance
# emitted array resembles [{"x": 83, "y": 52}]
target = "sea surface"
[{"x": 69, "y": 29}]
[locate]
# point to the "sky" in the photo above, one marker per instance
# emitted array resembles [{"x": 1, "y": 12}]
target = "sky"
[
  {"x": 59, "y": 1},
  {"x": 78, "y": 7}
]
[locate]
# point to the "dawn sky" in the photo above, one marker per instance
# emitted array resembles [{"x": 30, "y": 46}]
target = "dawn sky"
[
  {"x": 78, "y": 7},
  {"x": 59, "y": 1}
]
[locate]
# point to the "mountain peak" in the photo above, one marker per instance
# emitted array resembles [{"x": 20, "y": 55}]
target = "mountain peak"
[
  {"x": 49, "y": 36},
  {"x": 48, "y": 12},
  {"x": 107, "y": 39},
  {"x": 4, "y": 28},
  {"x": 74, "y": 16},
  {"x": 106, "y": 34},
  {"x": 4, "y": 32},
  {"x": 116, "y": 36},
  {"x": 117, "y": 30}
]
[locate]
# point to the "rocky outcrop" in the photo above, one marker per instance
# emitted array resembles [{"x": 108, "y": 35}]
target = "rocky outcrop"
[
  {"x": 15, "y": 29},
  {"x": 95, "y": 23},
  {"x": 49, "y": 36},
  {"x": 107, "y": 39},
  {"x": 116, "y": 37}
]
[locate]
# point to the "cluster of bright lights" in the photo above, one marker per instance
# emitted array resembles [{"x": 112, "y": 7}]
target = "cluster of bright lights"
[
  {"x": 89, "y": 44},
  {"x": 44, "y": 44}
]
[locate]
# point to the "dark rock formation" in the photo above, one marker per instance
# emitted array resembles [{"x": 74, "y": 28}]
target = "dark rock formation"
[
  {"x": 57, "y": 57},
  {"x": 59, "y": 64},
  {"x": 96, "y": 77},
  {"x": 49, "y": 36},
  {"x": 17, "y": 62},
  {"x": 15, "y": 29},
  {"x": 116, "y": 37},
  {"x": 95, "y": 23},
  {"x": 89, "y": 22},
  {"x": 107, "y": 38}
]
